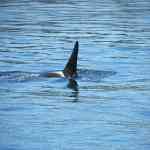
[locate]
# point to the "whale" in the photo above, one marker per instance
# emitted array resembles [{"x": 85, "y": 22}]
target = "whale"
[
  {"x": 70, "y": 72},
  {"x": 70, "y": 69}
]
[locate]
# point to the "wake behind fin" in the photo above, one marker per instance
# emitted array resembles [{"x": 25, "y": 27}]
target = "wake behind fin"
[{"x": 70, "y": 69}]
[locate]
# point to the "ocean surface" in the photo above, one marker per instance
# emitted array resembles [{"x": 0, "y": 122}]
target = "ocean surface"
[{"x": 107, "y": 108}]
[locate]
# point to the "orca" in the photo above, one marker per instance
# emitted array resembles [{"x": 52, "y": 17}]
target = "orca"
[{"x": 70, "y": 69}]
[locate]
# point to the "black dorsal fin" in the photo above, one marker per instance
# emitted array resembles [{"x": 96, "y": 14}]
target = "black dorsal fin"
[{"x": 70, "y": 69}]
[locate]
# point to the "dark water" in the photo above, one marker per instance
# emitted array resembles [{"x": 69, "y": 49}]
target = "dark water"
[{"x": 110, "y": 107}]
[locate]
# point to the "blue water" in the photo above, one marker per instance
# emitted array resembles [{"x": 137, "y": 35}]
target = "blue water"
[{"x": 110, "y": 106}]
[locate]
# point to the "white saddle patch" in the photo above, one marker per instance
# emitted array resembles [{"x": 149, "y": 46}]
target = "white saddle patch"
[{"x": 60, "y": 73}]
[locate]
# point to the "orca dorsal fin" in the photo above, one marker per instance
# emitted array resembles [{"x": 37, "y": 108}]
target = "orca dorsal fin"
[{"x": 70, "y": 69}]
